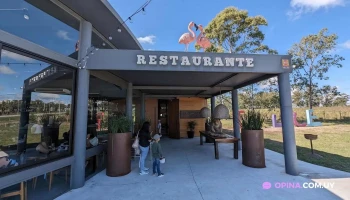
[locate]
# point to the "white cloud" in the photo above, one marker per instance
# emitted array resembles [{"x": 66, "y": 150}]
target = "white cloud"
[
  {"x": 15, "y": 56},
  {"x": 147, "y": 39},
  {"x": 63, "y": 35},
  {"x": 6, "y": 70},
  {"x": 300, "y": 7},
  {"x": 48, "y": 96},
  {"x": 345, "y": 45}
]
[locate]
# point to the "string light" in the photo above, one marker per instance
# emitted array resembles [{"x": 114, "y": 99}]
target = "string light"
[
  {"x": 141, "y": 9},
  {"x": 21, "y": 64},
  {"x": 82, "y": 63},
  {"x": 24, "y": 10}
]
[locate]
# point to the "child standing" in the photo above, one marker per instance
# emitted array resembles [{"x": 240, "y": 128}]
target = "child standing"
[{"x": 157, "y": 155}]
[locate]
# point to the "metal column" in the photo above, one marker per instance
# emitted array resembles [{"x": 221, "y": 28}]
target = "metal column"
[
  {"x": 236, "y": 117},
  {"x": 212, "y": 106},
  {"x": 289, "y": 145},
  {"x": 129, "y": 103},
  {"x": 24, "y": 121},
  {"x": 81, "y": 110},
  {"x": 143, "y": 109}
]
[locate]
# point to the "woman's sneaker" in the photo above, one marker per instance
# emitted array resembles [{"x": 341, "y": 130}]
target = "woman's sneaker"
[
  {"x": 161, "y": 175},
  {"x": 143, "y": 173}
]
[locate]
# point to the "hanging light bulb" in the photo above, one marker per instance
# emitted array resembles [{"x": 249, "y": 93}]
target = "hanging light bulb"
[
  {"x": 130, "y": 20},
  {"x": 110, "y": 38},
  {"x": 143, "y": 11},
  {"x": 103, "y": 44},
  {"x": 25, "y": 13},
  {"x": 119, "y": 30}
]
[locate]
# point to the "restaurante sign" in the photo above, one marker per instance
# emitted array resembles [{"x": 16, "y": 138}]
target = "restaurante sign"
[{"x": 195, "y": 60}]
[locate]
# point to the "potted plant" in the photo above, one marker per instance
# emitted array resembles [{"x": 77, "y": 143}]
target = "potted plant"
[
  {"x": 191, "y": 126},
  {"x": 119, "y": 146},
  {"x": 252, "y": 136}
]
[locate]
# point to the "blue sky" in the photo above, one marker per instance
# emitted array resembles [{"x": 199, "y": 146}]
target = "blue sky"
[
  {"x": 289, "y": 21},
  {"x": 166, "y": 21}
]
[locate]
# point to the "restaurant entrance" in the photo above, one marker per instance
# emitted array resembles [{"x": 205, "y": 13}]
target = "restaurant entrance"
[{"x": 168, "y": 114}]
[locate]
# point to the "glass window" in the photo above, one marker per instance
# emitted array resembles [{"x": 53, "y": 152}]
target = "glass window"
[
  {"x": 35, "y": 111},
  {"x": 58, "y": 30}
]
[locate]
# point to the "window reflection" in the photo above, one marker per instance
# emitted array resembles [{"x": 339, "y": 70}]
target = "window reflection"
[
  {"x": 35, "y": 111},
  {"x": 46, "y": 24}
]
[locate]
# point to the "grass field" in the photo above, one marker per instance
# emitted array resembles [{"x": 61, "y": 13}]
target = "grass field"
[
  {"x": 333, "y": 143},
  {"x": 9, "y": 134}
]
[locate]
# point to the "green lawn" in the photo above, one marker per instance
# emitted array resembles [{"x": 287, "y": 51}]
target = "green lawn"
[
  {"x": 9, "y": 134},
  {"x": 332, "y": 144}
]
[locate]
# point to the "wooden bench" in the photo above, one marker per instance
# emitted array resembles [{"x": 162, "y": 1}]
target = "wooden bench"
[{"x": 218, "y": 140}]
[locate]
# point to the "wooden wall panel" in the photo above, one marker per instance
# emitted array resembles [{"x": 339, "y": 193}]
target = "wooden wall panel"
[
  {"x": 192, "y": 104},
  {"x": 152, "y": 112}
]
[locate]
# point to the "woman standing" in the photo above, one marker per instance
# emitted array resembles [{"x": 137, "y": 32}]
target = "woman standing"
[{"x": 144, "y": 142}]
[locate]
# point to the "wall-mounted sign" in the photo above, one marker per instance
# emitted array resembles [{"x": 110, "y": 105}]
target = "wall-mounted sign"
[
  {"x": 42, "y": 75},
  {"x": 190, "y": 114},
  {"x": 195, "y": 60},
  {"x": 285, "y": 63}
]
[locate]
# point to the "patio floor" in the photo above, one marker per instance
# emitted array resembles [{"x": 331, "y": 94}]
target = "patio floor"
[{"x": 191, "y": 172}]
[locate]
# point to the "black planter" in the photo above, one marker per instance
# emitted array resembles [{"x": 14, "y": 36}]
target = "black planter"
[{"x": 190, "y": 134}]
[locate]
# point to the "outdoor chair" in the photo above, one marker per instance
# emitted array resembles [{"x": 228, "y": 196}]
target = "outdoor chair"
[{"x": 22, "y": 192}]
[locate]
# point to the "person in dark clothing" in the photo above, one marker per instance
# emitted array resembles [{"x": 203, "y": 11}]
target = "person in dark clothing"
[{"x": 144, "y": 142}]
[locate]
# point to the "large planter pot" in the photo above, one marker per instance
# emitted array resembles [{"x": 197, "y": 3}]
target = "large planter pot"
[
  {"x": 190, "y": 134},
  {"x": 253, "y": 148},
  {"x": 118, "y": 154}
]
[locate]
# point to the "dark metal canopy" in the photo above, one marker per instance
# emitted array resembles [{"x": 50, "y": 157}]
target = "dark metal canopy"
[{"x": 160, "y": 73}]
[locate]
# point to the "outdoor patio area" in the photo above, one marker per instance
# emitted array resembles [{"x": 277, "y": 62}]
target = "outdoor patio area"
[{"x": 192, "y": 172}]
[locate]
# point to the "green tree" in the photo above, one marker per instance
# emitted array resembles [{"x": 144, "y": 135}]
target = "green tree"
[
  {"x": 237, "y": 32},
  {"x": 298, "y": 98},
  {"x": 327, "y": 95},
  {"x": 234, "y": 31},
  {"x": 312, "y": 58},
  {"x": 341, "y": 100}
]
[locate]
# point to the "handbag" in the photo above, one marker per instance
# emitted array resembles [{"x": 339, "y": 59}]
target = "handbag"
[
  {"x": 135, "y": 145},
  {"x": 94, "y": 141},
  {"x": 162, "y": 161}
]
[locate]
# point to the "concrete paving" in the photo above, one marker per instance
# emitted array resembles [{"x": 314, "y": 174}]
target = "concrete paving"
[{"x": 192, "y": 172}]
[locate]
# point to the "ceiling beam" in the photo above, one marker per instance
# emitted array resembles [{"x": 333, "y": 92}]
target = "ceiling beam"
[
  {"x": 111, "y": 78},
  {"x": 177, "y": 88},
  {"x": 219, "y": 82},
  {"x": 256, "y": 80}
]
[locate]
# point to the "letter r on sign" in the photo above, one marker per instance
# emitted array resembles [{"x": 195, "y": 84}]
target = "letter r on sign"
[{"x": 141, "y": 60}]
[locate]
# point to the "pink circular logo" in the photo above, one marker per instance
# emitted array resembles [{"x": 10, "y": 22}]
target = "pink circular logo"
[{"x": 266, "y": 185}]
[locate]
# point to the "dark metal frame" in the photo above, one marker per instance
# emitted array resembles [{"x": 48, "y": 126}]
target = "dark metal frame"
[{"x": 15, "y": 170}]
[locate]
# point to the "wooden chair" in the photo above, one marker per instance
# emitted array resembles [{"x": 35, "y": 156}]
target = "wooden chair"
[
  {"x": 51, "y": 176},
  {"x": 22, "y": 192}
]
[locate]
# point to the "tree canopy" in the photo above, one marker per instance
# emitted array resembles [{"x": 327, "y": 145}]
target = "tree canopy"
[
  {"x": 236, "y": 32},
  {"x": 312, "y": 58}
]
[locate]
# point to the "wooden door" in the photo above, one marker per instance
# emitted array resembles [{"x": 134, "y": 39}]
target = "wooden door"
[{"x": 174, "y": 119}]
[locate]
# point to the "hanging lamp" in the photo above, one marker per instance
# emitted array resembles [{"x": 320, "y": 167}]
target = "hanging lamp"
[
  {"x": 221, "y": 111},
  {"x": 205, "y": 112}
]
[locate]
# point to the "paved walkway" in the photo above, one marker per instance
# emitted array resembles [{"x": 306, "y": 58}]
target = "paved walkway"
[{"x": 191, "y": 172}]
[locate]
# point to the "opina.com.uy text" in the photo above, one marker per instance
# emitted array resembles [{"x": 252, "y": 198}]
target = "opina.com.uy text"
[{"x": 295, "y": 185}]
